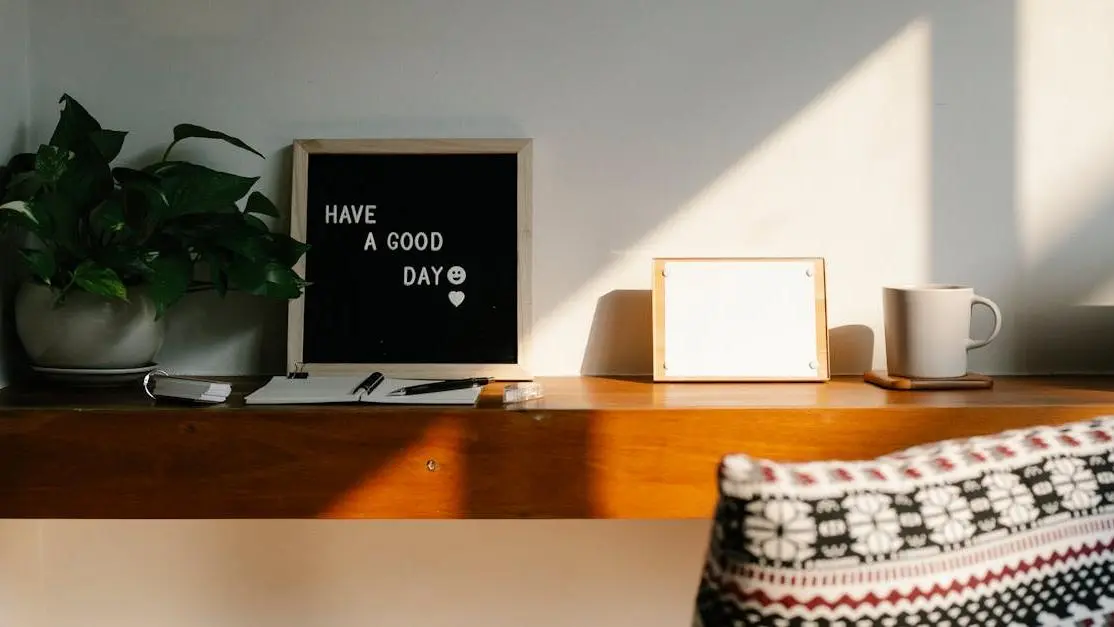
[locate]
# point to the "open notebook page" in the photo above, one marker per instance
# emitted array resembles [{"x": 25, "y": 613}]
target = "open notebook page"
[
  {"x": 282, "y": 390},
  {"x": 338, "y": 389}
]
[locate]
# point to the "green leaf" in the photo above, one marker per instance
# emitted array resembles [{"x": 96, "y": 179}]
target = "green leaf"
[
  {"x": 192, "y": 188},
  {"x": 22, "y": 215},
  {"x": 22, "y": 208},
  {"x": 159, "y": 167},
  {"x": 84, "y": 178},
  {"x": 169, "y": 278},
  {"x": 258, "y": 203},
  {"x": 18, "y": 165},
  {"x": 97, "y": 279},
  {"x": 216, "y": 260},
  {"x": 108, "y": 217},
  {"x": 24, "y": 185},
  {"x": 286, "y": 249},
  {"x": 20, "y": 162},
  {"x": 41, "y": 263},
  {"x": 108, "y": 143},
  {"x": 272, "y": 279},
  {"x": 144, "y": 195},
  {"x": 128, "y": 261},
  {"x": 59, "y": 218},
  {"x": 51, "y": 162},
  {"x": 219, "y": 276},
  {"x": 137, "y": 178},
  {"x": 186, "y": 131},
  {"x": 75, "y": 125},
  {"x": 239, "y": 236},
  {"x": 256, "y": 223}
]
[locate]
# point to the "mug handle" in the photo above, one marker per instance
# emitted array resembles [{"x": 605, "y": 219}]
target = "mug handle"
[{"x": 979, "y": 300}]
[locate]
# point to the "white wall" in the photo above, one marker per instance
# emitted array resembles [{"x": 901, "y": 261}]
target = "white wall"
[
  {"x": 884, "y": 136},
  {"x": 904, "y": 141},
  {"x": 14, "y": 120}
]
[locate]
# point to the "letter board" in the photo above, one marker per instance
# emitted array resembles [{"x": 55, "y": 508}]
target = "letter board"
[{"x": 419, "y": 258}]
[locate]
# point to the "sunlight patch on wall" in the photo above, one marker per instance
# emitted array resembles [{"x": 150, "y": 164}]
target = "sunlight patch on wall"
[
  {"x": 1065, "y": 137},
  {"x": 847, "y": 178}
]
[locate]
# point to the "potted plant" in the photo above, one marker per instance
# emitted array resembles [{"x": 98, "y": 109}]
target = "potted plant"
[{"x": 109, "y": 249}]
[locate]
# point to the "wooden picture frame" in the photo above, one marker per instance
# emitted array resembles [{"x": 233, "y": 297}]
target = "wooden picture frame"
[
  {"x": 803, "y": 304},
  {"x": 304, "y": 149}
]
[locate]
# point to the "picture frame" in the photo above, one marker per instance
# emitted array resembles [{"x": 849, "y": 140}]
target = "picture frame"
[{"x": 740, "y": 319}]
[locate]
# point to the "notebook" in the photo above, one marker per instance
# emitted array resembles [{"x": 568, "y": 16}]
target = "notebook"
[
  {"x": 281, "y": 390},
  {"x": 182, "y": 388}
]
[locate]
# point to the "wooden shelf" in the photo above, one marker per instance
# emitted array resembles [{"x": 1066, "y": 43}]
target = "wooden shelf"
[{"x": 593, "y": 448}]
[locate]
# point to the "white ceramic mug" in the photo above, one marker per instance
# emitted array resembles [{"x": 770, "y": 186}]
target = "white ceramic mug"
[{"x": 928, "y": 329}]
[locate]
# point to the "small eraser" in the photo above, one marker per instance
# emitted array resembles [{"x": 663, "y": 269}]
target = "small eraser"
[{"x": 519, "y": 392}]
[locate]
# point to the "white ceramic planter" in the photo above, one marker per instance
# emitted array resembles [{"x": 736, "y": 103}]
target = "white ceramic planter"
[{"x": 87, "y": 331}]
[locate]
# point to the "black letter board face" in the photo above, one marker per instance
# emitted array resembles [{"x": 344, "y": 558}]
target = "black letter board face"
[{"x": 417, "y": 257}]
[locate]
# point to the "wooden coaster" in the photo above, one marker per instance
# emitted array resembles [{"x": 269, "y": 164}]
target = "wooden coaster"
[{"x": 972, "y": 381}]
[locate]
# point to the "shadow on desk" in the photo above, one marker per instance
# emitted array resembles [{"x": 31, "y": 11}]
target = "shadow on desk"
[
  {"x": 116, "y": 453},
  {"x": 1100, "y": 384}
]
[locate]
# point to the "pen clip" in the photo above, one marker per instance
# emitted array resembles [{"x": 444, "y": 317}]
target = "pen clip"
[{"x": 369, "y": 384}]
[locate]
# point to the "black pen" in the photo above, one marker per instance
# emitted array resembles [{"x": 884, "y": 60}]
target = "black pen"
[{"x": 441, "y": 386}]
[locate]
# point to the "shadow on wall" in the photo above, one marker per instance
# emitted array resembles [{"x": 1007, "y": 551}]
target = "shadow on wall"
[
  {"x": 12, "y": 357},
  {"x": 1068, "y": 325},
  {"x": 1063, "y": 339},
  {"x": 621, "y": 341},
  {"x": 851, "y": 349}
]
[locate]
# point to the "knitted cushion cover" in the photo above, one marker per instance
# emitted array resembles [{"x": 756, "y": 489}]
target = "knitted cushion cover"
[{"x": 1010, "y": 529}]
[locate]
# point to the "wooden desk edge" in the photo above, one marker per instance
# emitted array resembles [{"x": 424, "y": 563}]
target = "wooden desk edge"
[{"x": 618, "y": 456}]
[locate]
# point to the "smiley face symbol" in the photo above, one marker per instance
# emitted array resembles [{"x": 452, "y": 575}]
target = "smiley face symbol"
[{"x": 456, "y": 275}]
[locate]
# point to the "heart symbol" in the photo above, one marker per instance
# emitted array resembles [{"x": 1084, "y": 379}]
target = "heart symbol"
[{"x": 456, "y": 298}]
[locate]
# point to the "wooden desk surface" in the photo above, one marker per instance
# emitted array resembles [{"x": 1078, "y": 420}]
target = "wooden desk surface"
[{"x": 592, "y": 448}]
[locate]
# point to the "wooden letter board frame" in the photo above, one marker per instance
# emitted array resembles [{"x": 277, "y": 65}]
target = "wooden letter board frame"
[
  {"x": 661, "y": 371},
  {"x": 523, "y": 148}
]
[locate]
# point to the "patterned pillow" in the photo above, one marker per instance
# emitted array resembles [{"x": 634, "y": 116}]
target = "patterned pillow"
[{"x": 996, "y": 531}]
